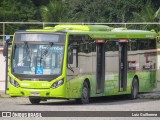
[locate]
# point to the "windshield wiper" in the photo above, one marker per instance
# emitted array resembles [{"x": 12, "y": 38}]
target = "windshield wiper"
[
  {"x": 44, "y": 54},
  {"x": 46, "y": 50}
]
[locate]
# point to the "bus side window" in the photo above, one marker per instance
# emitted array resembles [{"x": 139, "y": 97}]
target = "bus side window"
[
  {"x": 152, "y": 44},
  {"x": 112, "y": 46},
  {"x": 143, "y": 44},
  {"x": 133, "y": 45}
]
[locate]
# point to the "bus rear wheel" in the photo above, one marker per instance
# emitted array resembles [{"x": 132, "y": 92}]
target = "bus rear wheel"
[
  {"x": 134, "y": 89},
  {"x": 34, "y": 100},
  {"x": 85, "y": 94}
]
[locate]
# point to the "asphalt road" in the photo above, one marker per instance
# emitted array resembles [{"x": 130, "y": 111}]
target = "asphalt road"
[
  {"x": 98, "y": 104},
  {"x": 145, "y": 102},
  {"x": 101, "y": 104}
]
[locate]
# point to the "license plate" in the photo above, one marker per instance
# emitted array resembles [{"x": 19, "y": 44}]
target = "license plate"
[{"x": 35, "y": 94}]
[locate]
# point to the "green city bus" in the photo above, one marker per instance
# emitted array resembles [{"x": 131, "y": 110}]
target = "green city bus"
[{"x": 81, "y": 61}]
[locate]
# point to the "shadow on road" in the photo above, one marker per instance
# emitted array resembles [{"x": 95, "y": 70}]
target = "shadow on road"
[{"x": 113, "y": 100}]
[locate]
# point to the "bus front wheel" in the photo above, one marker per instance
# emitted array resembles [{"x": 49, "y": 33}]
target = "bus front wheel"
[
  {"x": 85, "y": 94},
  {"x": 34, "y": 100},
  {"x": 134, "y": 89}
]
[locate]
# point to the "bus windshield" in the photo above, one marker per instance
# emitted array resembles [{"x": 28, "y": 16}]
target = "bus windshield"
[{"x": 37, "y": 59}]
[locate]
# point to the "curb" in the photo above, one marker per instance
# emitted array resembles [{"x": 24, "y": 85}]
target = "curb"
[{"x": 154, "y": 95}]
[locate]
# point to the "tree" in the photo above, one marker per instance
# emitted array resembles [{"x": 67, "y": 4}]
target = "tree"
[
  {"x": 104, "y": 10},
  {"x": 16, "y": 10},
  {"x": 89, "y": 10},
  {"x": 39, "y": 3},
  {"x": 157, "y": 15},
  {"x": 55, "y": 11},
  {"x": 79, "y": 11},
  {"x": 147, "y": 14}
]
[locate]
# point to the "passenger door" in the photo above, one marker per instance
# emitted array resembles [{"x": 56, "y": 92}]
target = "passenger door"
[
  {"x": 123, "y": 65},
  {"x": 100, "y": 69}
]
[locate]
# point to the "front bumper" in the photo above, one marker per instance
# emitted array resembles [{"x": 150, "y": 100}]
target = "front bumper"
[{"x": 26, "y": 92}]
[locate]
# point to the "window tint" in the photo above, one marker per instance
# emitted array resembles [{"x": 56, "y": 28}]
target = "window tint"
[
  {"x": 141, "y": 44},
  {"x": 111, "y": 46},
  {"x": 83, "y": 43}
]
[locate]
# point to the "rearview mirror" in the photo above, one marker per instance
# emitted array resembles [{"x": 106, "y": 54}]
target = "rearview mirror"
[{"x": 7, "y": 43}]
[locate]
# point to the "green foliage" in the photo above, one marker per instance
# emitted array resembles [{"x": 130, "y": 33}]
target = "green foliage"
[
  {"x": 147, "y": 14},
  {"x": 16, "y": 10},
  {"x": 123, "y": 9},
  {"x": 80, "y": 11},
  {"x": 39, "y": 3},
  {"x": 104, "y": 10},
  {"x": 55, "y": 11},
  {"x": 89, "y": 10},
  {"x": 157, "y": 15}
]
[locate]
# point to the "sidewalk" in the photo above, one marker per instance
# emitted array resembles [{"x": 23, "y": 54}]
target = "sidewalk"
[
  {"x": 153, "y": 95},
  {"x": 2, "y": 89},
  {"x": 2, "y": 85}
]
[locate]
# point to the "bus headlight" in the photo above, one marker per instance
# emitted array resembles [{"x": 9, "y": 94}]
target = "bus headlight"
[
  {"x": 14, "y": 83},
  {"x": 58, "y": 83}
]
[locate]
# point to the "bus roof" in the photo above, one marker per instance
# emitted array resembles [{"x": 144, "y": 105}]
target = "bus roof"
[{"x": 99, "y": 31}]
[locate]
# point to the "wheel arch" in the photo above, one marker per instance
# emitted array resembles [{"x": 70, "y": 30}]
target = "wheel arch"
[
  {"x": 134, "y": 88},
  {"x": 89, "y": 85},
  {"x": 136, "y": 76},
  {"x": 88, "y": 82},
  {"x": 82, "y": 99}
]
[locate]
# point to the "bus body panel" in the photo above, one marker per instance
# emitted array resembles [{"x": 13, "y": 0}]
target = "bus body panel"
[
  {"x": 38, "y": 91},
  {"x": 142, "y": 64}
]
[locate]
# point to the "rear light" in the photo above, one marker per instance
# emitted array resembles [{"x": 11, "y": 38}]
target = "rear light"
[
  {"x": 123, "y": 40},
  {"x": 100, "y": 41}
]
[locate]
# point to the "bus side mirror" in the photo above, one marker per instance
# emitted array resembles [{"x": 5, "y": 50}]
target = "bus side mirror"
[{"x": 7, "y": 43}]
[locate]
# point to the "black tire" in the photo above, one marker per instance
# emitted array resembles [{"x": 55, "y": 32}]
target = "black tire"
[
  {"x": 134, "y": 89},
  {"x": 34, "y": 100},
  {"x": 85, "y": 94}
]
